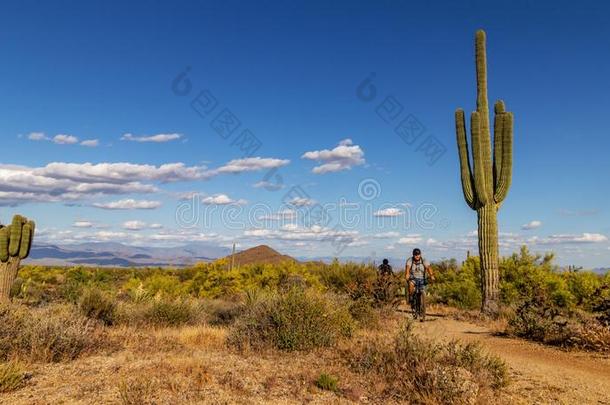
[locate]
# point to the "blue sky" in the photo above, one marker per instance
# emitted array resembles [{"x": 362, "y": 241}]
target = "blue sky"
[{"x": 289, "y": 72}]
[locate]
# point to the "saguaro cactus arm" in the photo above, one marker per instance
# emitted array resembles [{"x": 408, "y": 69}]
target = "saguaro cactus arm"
[
  {"x": 498, "y": 125},
  {"x": 506, "y": 170},
  {"x": 483, "y": 106},
  {"x": 480, "y": 182},
  {"x": 465, "y": 169}
]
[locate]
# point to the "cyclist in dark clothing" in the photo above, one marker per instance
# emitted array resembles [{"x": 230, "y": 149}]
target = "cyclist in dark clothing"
[{"x": 385, "y": 269}]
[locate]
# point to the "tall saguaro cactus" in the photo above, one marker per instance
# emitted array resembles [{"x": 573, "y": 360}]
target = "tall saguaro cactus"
[
  {"x": 15, "y": 243},
  {"x": 485, "y": 183}
]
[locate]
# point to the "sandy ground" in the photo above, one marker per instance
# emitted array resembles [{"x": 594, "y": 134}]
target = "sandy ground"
[{"x": 540, "y": 374}]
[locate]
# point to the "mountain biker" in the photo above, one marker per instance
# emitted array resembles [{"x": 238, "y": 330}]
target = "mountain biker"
[
  {"x": 417, "y": 271},
  {"x": 385, "y": 269}
]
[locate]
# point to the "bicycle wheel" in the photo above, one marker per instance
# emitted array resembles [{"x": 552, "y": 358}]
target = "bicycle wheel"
[
  {"x": 415, "y": 305},
  {"x": 422, "y": 306}
]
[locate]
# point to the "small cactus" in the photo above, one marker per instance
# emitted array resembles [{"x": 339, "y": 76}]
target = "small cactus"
[{"x": 15, "y": 244}]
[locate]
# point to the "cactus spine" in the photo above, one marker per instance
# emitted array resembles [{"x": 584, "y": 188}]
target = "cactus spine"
[
  {"x": 485, "y": 184},
  {"x": 15, "y": 244}
]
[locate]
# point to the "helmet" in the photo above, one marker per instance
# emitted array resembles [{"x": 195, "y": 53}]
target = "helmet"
[
  {"x": 385, "y": 261},
  {"x": 416, "y": 252}
]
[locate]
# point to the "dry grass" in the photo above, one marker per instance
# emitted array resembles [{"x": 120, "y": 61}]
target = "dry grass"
[
  {"x": 12, "y": 376},
  {"x": 192, "y": 364},
  {"x": 56, "y": 333},
  {"x": 410, "y": 368}
]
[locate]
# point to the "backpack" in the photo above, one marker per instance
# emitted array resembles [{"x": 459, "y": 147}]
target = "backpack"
[{"x": 422, "y": 260}]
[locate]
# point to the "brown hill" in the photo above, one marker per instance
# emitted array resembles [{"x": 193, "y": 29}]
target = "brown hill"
[{"x": 261, "y": 254}]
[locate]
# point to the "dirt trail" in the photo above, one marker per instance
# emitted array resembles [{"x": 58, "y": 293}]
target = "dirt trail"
[{"x": 541, "y": 374}]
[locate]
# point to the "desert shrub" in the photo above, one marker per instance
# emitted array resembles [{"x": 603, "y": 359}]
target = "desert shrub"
[
  {"x": 524, "y": 276},
  {"x": 165, "y": 284},
  {"x": 355, "y": 279},
  {"x": 327, "y": 382},
  {"x": 472, "y": 357},
  {"x": 583, "y": 285},
  {"x": 546, "y": 322},
  {"x": 160, "y": 311},
  {"x": 424, "y": 371},
  {"x": 293, "y": 320},
  {"x": 600, "y": 302},
  {"x": 51, "y": 334},
  {"x": 457, "y": 286},
  {"x": 12, "y": 376},
  {"x": 222, "y": 312},
  {"x": 96, "y": 304},
  {"x": 364, "y": 313},
  {"x": 170, "y": 312},
  {"x": 213, "y": 280}
]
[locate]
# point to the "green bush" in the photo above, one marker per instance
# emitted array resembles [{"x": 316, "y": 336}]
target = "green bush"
[
  {"x": 327, "y": 382},
  {"x": 364, "y": 313},
  {"x": 293, "y": 320},
  {"x": 457, "y": 286},
  {"x": 160, "y": 311},
  {"x": 170, "y": 313},
  {"x": 96, "y": 304}
]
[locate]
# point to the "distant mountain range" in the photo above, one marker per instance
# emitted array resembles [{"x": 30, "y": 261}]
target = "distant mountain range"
[
  {"x": 117, "y": 254},
  {"x": 120, "y": 255}
]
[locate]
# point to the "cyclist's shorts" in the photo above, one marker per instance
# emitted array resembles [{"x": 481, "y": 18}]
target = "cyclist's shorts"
[{"x": 420, "y": 284}]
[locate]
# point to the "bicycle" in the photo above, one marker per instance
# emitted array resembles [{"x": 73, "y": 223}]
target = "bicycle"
[
  {"x": 418, "y": 301},
  {"x": 387, "y": 291}
]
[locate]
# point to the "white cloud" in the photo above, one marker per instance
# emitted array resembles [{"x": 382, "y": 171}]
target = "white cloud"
[
  {"x": 279, "y": 216},
  {"x": 61, "y": 181},
  {"x": 37, "y": 136},
  {"x": 301, "y": 202},
  {"x": 291, "y": 232},
  {"x": 90, "y": 143},
  {"x": 531, "y": 225},
  {"x": 82, "y": 224},
  {"x": 388, "y": 212},
  {"x": 269, "y": 185},
  {"x": 158, "y": 138},
  {"x": 120, "y": 172},
  {"x": 129, "y": 204},
  {"x": 221, "y": 199},
  {"x": 409, "y": 239},
  {"x": 155, "y": 226},
  {"x": 570, "y": 238},
  {"x": 250, "y": 164},
  {"x": 134, "y": 225},
  {"x": 186, "y": 195},
  {"x": 163, "y": 237},
  {"x": 342, "y": 157},
  {"x": 386, "y": 235},
  {"x": 63, "y": 139}
]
